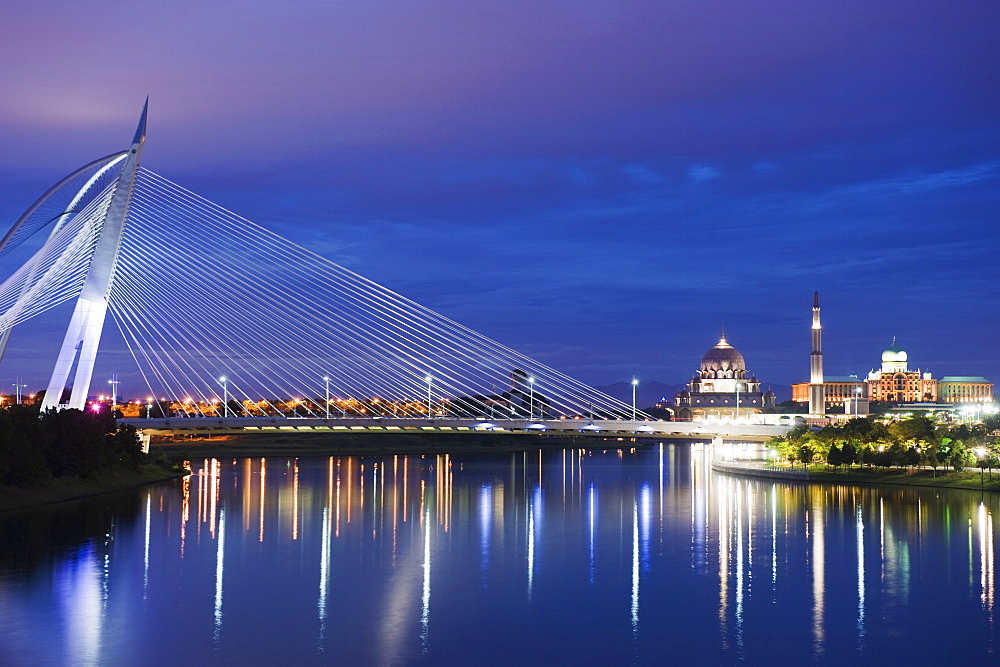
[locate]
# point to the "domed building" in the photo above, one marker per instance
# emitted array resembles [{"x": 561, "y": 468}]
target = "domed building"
[
  {"x": 720, "y": 390},
  {"x": 895, "y": 383},
  {"x": 894, "y": 358}
]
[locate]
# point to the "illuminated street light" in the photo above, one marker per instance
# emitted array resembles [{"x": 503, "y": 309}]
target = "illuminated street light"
[
  {"x": 114, "y": 382},
  {"x": 225, "y": 396},
  {"x": 326, "y": 379},
  {"x": 531, "y": 398},
  {"x": 430, "y": 382},
  {"x": 635, "y": 383}
]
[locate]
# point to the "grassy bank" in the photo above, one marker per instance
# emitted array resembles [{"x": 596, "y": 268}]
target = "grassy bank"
[
  {"x": 949, "y": 479},
  {"x": 72, "y": 488}
]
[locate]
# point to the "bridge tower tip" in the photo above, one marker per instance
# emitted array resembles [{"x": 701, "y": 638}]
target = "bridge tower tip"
[{"x": 140, "y": 131}]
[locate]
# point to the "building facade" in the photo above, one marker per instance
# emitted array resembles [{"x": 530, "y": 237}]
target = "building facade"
[
  {"x": 965, "y": 389},
  {"x": 720, "y": 390},
  {"x": 842, "y": 393},
  {"x": 893, "y": 382}
]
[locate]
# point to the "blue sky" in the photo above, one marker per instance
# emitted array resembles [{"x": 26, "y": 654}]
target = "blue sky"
[{"x": 598, "y": 184}]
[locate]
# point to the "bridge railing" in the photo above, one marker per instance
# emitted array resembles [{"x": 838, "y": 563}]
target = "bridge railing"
[{"x": 636, "y": 428}]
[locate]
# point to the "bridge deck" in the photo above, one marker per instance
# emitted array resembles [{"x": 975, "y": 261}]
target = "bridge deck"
[{"x": 577, "y": 427}]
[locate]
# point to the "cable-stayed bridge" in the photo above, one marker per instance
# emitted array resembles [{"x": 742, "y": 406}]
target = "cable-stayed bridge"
[{"x": 225, "y": 316}]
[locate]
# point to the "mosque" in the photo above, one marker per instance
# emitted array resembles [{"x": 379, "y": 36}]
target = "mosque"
[{"x": 720, "y": 390}]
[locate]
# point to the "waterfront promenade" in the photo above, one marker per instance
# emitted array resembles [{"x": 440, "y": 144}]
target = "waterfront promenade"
[{"x": 760, "y": 469}]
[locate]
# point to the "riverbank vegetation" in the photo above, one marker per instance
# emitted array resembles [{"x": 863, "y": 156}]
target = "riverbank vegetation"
[
  {"x": 908, "y": 445},
  {"x": 63, "y": 443}
]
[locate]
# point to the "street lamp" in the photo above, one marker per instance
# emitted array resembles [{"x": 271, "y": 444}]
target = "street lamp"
[
  {"x": 326, "y": 379},
  {"x": 635, "y": 383},
  {"x": 114, "y": 389},
  {"x": 531, "y": 398},
  {"x": 430, "y": 382},
  {"x": 225, "y": 396}
]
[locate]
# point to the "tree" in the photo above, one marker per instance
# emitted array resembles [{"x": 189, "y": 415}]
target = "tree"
[
  {"x": 848, "y": 454},
  {"x": 961, "y": 458},
  {"x": 834, "y": 457},
  {"x": 798, "y": 433},
  {"x": 914, "y": 429},
  {"x": 791, "y": 407},
  {"x": 992, "y": 461},
  {"x": 943, "y": 453},
  {"x": 929, "y": 456},
  {"x": 805, "y": 455},
  {"x": 884, "y": 456}
]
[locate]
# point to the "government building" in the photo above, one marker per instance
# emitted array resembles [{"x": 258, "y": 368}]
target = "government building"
[
  {"x": 895, "y": 383},
  {"x": 720, "y": 389}
]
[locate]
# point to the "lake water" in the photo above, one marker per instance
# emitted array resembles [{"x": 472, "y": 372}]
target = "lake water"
[{"x": 563, "y": 556}]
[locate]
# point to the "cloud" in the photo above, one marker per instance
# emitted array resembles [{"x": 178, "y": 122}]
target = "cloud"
[{"x": 703, "y": 172}]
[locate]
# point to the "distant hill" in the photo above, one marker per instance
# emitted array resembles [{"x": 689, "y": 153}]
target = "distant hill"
[{"x": 649, "y": 392}]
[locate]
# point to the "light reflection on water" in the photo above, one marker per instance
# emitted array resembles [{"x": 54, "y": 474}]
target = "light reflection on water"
[{"x": 563, "y": 555}]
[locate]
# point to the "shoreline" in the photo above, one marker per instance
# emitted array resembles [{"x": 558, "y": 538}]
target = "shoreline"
[
  {"x": 62, "y": 490},
  {"x": 967, "y": 480},
  {"x": 262, "y": 445}
]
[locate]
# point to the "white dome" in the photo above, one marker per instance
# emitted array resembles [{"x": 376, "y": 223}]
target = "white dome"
[{"x": 894, "y": 354}]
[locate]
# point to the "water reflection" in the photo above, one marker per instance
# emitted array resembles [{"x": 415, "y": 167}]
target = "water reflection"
[
  {"x": 860, "y": 536},
  {"x": 220, "y": 550},
  {"x": 79, "y": 592},
  {"x": 594, "y": 554}
]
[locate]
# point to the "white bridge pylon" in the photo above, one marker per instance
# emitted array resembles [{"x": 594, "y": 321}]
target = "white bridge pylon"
[
  {"x": 228, "y": 318},
  {"x": 83, "y": 336}
]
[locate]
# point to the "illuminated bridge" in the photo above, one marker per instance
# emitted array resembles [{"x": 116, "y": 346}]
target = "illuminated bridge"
[
  {"x": 228, "y": 318},
  {"x": 615, "y": 428}
]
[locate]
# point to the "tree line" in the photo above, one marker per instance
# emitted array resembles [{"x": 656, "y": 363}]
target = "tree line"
[
  {"x": 63, "y": 443},
  {"x": 916, "y": 441}
]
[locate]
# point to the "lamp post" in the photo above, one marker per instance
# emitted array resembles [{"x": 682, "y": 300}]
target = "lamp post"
[
  {"x": 114, "y": 389},
  {"x": 430, "y": 383},
  {"x": 635, "y": 383},
  {"x": 531, "y": 398},
  {"x": 225, "y": 396},
  {"x": 326, "y": 379}
]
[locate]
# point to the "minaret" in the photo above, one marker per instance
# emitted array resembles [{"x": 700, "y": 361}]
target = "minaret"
[{"x": 817, "y": 393}]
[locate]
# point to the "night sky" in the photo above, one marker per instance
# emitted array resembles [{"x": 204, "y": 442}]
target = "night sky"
[{"x": 600, "y": 185}]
